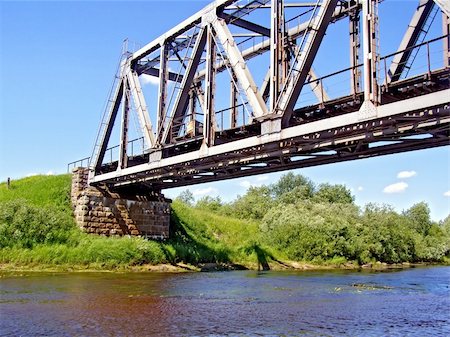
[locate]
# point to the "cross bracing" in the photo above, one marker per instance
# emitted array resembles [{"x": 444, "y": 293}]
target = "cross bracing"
[{"x": 238, "y": 93}]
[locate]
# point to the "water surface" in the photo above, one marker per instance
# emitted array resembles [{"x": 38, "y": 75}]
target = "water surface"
[{"x": 412, "y": 302}]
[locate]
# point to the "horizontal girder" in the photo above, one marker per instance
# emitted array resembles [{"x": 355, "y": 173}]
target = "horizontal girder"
[{"x": 346, "y": 135}]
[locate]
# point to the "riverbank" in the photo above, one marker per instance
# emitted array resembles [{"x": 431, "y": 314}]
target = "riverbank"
[
  {"x": 209, "y": 267},
  {"x": 318, "y": 230}
]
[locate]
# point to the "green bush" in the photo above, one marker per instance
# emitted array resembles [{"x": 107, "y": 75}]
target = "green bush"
[
  {"x": 24, "y": 225},
  {"x": 309, "y": 231}
]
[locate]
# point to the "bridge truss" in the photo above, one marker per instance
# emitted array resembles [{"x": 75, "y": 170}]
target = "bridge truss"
[{"x": 209, "y": 120}]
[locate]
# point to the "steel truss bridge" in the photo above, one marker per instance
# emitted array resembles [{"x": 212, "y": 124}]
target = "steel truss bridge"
[{"x": 212, "y": 119}]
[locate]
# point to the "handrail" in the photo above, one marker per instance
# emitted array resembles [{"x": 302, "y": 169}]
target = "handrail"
[
  {"x": 381, "y": 58},
  {"x": 81, "y": 161}
]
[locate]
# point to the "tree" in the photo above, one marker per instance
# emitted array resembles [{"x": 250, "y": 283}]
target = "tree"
[
  {"x": 254, "y": 204},
  {"x": 333, "y": 194},
  {"x": 186, "y": 197},
  {"x": 419, "y": 217},
  {"x": 209, "y": 203},
  {"x": 289, "y": 182}
]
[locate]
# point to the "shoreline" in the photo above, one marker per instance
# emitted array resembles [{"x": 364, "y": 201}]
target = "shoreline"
[{"x": 211, "y": 267}]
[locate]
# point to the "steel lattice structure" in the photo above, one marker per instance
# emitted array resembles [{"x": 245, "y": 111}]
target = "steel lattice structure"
[{"x": 264, "y": 126}]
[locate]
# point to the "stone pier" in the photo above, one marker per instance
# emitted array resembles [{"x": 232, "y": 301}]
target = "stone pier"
[{"x": 99, "y": 211}]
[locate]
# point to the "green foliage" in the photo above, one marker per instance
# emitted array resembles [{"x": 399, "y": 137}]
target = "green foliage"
[
  {"x": 186, "y": 197},
  {"x": 254, "y": 204},
  {"x": 333, "y": 194},
  {"x": 386, "y": 236},
  {"x": 419, "y": 217},
  {"x": 289, "y": 182},
  {"x": 209, "y": 203},
  {"x": 23, "y": 225},
  {"x": 308, "y": 231},
  {"x": 312, "y": 231}
]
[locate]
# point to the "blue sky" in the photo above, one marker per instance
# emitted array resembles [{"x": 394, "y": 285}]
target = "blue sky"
[{"x": 57, "y": 61}]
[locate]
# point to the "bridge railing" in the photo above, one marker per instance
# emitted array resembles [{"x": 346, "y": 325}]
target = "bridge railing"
[
  {"x": 427, "y": 56},
  {"x": 135, "y": 147},
  {"x": 84, "y": 162}
]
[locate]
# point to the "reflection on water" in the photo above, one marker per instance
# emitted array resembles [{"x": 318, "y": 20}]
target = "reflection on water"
[{"x": 412, "y": 302}]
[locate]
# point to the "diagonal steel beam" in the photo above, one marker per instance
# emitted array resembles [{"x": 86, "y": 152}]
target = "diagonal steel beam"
[
  {"x": 299, "y": 72},
  {"x": 141, "y": 107},
  {"x": 317, "y": 87},
  {"x": 123, "y": 155},
  {"x": 444, "y": 5},
  {"x": 183, "y": 94},
  {"x": 109, "y": 126},
  {"x": 239, "y": 67},
  {"x": 155, "y": 72},
  {"x": 410, "y": 38},
  {"x": 230, "y": 19}
]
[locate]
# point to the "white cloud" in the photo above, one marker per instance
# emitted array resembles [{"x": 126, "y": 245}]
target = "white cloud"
[
  {"x": 148, "y": 79},
  {"x": 396, "y": 188},
  {"x": 204, "y": 191},
  {"x": 447, "y": 194},
  {"x": 31, "y": 174},
  {"x": 50, "y": 173},
  {"x": 360, "y": 188},
  {"x": 406, "y": 174},
  {"x": 254, "y": 182}
]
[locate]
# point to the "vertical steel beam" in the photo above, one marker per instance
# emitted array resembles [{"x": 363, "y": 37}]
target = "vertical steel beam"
[
  {"x": 239, "y": 67},
  {"x": 233, "y": 103},
  {"x": 446, "y": 31},
  {"x": 370, "y": 51},
  {"x": 209, "y": 120},
  {"x": 355, "y": 85},
  {"x": 191, "y": 130},
  {"x": 276, "y": 52},
  {"x": 415, "y": 28},
  {"x": 162, "y": 92},
  {"x": 304, "y": 59},
  {"x": 123, "y": 156}
]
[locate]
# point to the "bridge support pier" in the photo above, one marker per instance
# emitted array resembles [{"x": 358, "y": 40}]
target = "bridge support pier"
[{"x": 102, "y": 212}]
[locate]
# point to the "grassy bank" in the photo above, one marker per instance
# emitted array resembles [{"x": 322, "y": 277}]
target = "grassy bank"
[
  {"x": 292, "y": 224},
  {"x": 37, "y": 231}
]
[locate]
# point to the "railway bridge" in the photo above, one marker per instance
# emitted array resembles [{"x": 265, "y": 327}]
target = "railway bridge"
[{"x": 237, "y": 92}]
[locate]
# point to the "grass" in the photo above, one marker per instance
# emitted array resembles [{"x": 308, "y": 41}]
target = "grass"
[
  {"x": 39, "y": 190},
  {"x": 37, "y": 229}
]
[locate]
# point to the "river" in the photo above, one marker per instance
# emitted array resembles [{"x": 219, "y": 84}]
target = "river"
[{"x": 411, "y": 302}]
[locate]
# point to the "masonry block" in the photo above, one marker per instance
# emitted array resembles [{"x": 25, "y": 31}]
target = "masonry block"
[{"x": 102, "y": 212}]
